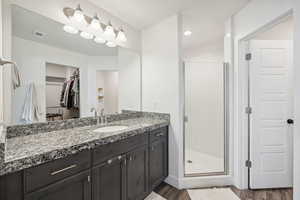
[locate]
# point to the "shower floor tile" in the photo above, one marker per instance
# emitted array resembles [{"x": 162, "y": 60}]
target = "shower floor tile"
[{"x": 198, "y": 163}]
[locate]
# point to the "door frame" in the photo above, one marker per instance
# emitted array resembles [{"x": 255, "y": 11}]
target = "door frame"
[
  {"x": 226, "y": 125},
  {"x": 243, "y": 121}
]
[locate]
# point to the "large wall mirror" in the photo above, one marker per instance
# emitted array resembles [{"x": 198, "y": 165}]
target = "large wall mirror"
[{"x": 65, "y": 76}]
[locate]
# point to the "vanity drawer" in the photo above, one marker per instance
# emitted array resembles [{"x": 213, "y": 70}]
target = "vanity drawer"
[
  {"x": 107, "y": 151},
  {"x": 48, "y": 173},
  {"x": 158, "y": 134}
]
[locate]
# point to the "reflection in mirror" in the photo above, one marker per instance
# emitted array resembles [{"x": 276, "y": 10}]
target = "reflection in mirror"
[
  {"x": 70, "y": 74},
  {"x": 107, "y": 88},
  {"x": 62, "y": 92}
]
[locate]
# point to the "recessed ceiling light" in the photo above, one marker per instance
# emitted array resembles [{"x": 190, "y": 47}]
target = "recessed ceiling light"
[{"x": 187, "y": 33}]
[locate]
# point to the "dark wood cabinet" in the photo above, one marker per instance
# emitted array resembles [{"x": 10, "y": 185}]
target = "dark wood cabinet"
[
  {"x": 11, "y": 186},
  {"x": 137, "y": 174},
  {"x": 125, "y": 170},
  {"x": 109, "y": 179},
  {"x": 158, "y": 161},
  {"x": 77, "y": 187}
]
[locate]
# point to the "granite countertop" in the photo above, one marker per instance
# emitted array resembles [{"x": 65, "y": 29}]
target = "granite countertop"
[{"x": 31, "y": 150}]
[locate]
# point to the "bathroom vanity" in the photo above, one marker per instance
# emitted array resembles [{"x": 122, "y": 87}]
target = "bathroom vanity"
[{"x": 81, "y": 164}]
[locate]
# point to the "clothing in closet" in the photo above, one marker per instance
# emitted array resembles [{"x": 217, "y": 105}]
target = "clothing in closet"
[{"x": 70, "y": 92}]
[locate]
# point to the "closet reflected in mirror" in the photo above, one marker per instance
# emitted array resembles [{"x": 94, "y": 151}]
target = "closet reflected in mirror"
[
  {"x": 65, "y": 76},
  {"x": 62, "y": 92}
]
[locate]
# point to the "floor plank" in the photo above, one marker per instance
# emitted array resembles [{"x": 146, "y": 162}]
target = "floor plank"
[{"x": 171, "y": 193}]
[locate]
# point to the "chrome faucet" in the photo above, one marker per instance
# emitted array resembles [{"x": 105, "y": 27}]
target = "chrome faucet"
[
  {"x": 102, "y": 116},
  {"x": 96, "y": 115}
]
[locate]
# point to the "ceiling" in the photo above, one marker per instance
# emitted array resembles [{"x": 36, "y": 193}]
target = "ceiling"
[
  {"x": 205, "y": 18},
  {"x": 25, "y": 23}
]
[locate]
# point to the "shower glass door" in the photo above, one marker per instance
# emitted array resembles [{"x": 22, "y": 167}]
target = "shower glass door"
[{"x": 205, "y": 118}]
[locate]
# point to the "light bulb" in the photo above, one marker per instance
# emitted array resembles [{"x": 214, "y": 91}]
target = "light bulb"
[
  {"x": 95, "y": 24},
  {"x": 70, "y": 29},
  {"x": 78, "y": 15},
  {"x": 121, "y": 36},
  {"x": 109, "y": 32},
  {"x": 111, "y": 44},
  {"x": 86, "y": 35},
  {"x": 99, "y": 40}
]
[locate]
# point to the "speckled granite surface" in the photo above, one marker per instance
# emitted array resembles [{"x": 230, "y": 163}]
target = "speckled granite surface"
[
  {"x": 31, "y": 150},
  {"x": 29, "y": 129}
]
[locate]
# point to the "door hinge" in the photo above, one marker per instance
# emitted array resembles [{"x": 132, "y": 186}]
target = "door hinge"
[
  {"x": 248, "y": 110},
  {"x": 248, "y": 163},
  {"x": 248, "y": 56}
]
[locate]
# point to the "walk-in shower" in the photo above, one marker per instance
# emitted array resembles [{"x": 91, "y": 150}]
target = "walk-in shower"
[{"x": 205, "y": 126}]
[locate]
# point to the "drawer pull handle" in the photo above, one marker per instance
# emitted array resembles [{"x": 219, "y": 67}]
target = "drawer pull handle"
[{"x": 63, "y": 170}]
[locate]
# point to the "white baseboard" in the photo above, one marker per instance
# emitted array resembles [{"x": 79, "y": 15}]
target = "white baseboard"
[
  {"x": 173, "y": 181},
  {"x": 202, "y": 182}
]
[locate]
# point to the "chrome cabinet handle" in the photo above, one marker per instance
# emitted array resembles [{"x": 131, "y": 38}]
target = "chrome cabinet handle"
[
  {"x": 109, "y": 161},
  {"x": 63, "y": 170}
]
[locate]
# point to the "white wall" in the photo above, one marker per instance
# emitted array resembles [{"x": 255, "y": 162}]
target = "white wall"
[
  {"x": 161, "y": 83},
  {"x": 32, "y": 58},
  {"x": 1, "y": 79},
  {"x": 254, "y": 16},
  {"x": 204, "y": 106},
  {"x": 129, "y": 63},
  {"x": 297, "y": 100},
  {"x": 210, "y": 51},
  {"x": 282, "y": 31},
  {"x": 109, "y": 81}
]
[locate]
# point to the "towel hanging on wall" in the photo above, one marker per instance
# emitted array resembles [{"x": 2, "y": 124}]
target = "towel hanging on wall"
[
  {"x": 31, "y": 109},
  {"x": 16, "y": 81}
]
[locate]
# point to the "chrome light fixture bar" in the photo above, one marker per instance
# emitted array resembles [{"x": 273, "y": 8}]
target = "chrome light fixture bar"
[{"x": 92, "y": 28}]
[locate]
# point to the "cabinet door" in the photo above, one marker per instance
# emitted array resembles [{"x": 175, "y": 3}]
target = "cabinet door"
[
  {"x": 158, "y": 162},
  {"x": 109, "y": 179},
  {"x": 137, "y": 174},
  {"x": 76, "y": 187}
]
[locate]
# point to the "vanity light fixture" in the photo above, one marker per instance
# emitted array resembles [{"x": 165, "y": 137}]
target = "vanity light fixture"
[
  {"x": 121, "y": 36},
  {"x": 78, "y": 15},
  {"x": 109, "y": 33},
  {"x": 86, "y": 35},
  {"x": 95, "y": 24},
  {"x": 92, "y": 27},
  {"x": 99, "y": 40},
  {"x": 70, "y": 29},
  {"x": 111, "y": 44}
]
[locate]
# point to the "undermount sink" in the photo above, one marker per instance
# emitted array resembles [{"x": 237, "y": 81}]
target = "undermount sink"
[{"x": 108, "y": 129}]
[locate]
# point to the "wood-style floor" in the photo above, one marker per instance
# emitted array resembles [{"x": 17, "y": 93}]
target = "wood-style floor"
[{"x": 171, "y": 193}]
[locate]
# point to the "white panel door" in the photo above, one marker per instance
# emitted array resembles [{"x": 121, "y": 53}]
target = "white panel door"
[{"x": 271, "y": 97}]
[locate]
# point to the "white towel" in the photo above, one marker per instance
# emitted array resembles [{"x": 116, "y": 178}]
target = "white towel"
[
  {"x": 31, "y": 109},
  {"x": 15, "y": 76}
]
